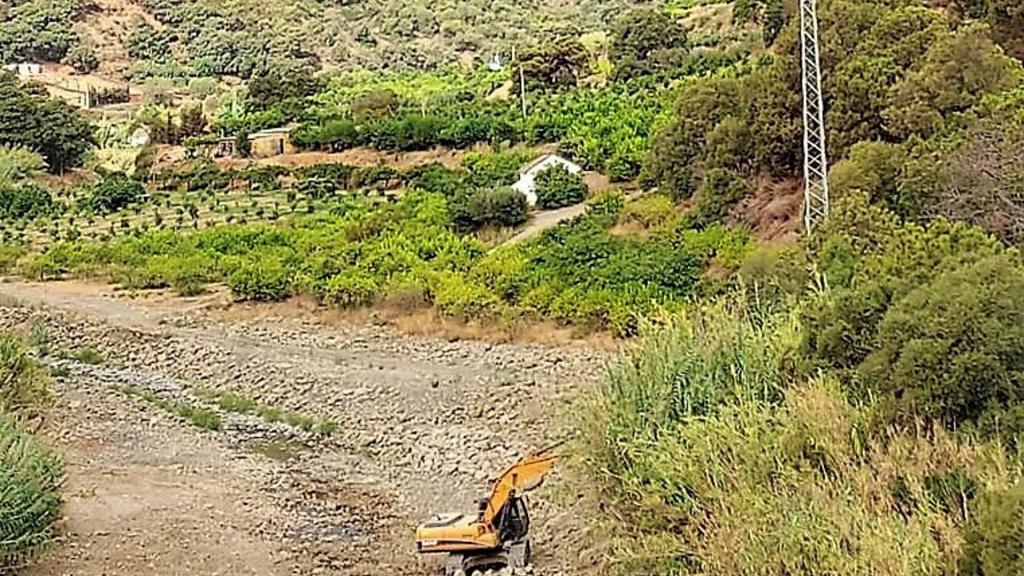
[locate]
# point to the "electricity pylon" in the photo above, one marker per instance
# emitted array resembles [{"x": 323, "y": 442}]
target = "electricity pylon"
[{"x": 815, "y": 161}]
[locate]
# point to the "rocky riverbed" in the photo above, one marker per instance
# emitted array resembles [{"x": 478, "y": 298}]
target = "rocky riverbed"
[{"x": 330, "y": 443}]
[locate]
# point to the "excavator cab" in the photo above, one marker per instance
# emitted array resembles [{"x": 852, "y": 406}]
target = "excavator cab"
[{"x": 497, "y": 536}]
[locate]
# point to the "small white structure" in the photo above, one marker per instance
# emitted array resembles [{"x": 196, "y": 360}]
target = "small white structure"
[
  {"x": 139, "y": 138},
  {"x": 527, "y": 183},
  {"x": 25, "y": 69}
]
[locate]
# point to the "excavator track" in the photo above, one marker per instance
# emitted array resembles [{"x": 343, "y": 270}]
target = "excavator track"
[{"x": 516, "y": 555}]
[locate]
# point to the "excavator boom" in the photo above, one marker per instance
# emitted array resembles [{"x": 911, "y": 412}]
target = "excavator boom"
[{"x": 519, "y": 478}]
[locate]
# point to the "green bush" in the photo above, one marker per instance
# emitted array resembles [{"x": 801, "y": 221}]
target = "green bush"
[
  {"x": 349, "y": 289},
  {"x": 22, "y": 379},
  {"x": 491, "y": 207},
  {"x": 558, "y": 187},
  {"x": 720, "y": 461},
  {"x": 993, "y": 542},
  {"x": 260, "y": 280},
  {"x": 953, "y": 349},
  {"x": 114, "y": 192}
]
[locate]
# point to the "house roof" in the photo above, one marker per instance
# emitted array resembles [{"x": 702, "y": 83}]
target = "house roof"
[
  {"x": 278, "y": 131},
  {"x": 536, "y": 162}
]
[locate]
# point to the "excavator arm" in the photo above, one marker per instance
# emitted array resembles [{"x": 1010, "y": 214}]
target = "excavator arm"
[{"x": 519, "y": 478}]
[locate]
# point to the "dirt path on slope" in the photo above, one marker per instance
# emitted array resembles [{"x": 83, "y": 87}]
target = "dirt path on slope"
[{"x": 422, "y": 427}]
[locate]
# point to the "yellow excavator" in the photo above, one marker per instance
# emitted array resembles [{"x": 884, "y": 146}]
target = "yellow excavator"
[{"x": 497, "y": 536}]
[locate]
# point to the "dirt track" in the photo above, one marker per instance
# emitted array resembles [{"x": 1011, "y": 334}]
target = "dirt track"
[{"x": 423, "y": 426}]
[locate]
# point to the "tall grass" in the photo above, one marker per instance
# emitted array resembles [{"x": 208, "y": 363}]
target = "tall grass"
[
  {"x": 30, "y": 479},
  {"x": 30, "y": 475},
  {"x": 716, "y": 459}
]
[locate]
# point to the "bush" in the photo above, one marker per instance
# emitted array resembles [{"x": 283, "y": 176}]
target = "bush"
[
  {"x": 649, "y": 212},
  {"x": 260, "y": 280},
  {"x": 994, "y": 544},
  {"x": 82, "y": 58},
  {"x": 457, "y": 297},
  {"x": 490, "y": 207},
  {"x": 22, "y": 379},
  {"x": 558, "y": 187},
  {"x": 24, "y": 201},
  {"x": 953, "y": 349},
  {"x": 349, "y": 289},
  {"x": 30, "y": 476},
  {"x": 114, "y": 192}
]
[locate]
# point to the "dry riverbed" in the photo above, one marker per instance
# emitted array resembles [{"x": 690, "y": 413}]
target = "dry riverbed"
[{"x": 203, "y": 443}]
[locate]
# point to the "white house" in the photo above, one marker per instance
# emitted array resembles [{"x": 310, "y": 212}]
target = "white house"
[{"x": 527, "y": 183}]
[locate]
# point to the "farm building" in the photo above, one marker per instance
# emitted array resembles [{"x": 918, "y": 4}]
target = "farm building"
[
  {"x": 262, "y": 144},
  {"x": 527, "y": 183},
  {"x": 271, "y": 142}
]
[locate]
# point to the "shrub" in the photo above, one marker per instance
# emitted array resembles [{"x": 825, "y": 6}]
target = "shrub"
[
  {"x": 24, "y": 201},
  {"x": 22, "y": 379},
  {"x": 953, "y": 349},
  {"x": 82, "y": 58},
  {"x": 721, "y": 464},
  {"x": 260, "y": 280},
  {"x": 649, "y": 212},
  {"x": 30, "y": 476},
  {"x": 718, "y": 192},
  {"x": 349, "y": 289},
  {"x": 497, "y": 207},
  {"x": 994, "y": 544},
  {"x": 558, "y": 187},
  {"x": 455, "y": 296},
  {"x": 114, "y": 192}
]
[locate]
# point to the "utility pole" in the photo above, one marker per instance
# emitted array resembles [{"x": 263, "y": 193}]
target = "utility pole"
[
  {"x": 522, "y": 89},
  {"x": 815, "y": 160}
]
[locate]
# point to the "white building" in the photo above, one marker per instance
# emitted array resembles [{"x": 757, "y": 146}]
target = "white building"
[
  {"x": 527, "y": 183},
  {"x": 25, "y": 69}
]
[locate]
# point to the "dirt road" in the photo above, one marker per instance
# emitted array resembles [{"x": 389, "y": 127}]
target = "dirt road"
[{"x": 422, "y": 425}]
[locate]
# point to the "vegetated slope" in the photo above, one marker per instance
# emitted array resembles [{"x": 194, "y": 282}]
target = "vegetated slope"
[
  {"x": 852, "y": 405},
  {"x": 233, "y": 37}
]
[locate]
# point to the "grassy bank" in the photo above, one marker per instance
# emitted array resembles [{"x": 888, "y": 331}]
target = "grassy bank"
[{"x": 852, "y": 407}]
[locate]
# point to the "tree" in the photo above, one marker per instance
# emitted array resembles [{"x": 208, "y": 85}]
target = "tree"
[
  {"x": 646, "y": 41},
  {"x": 554, "y": 65},
  {"x": 956, "y": 73},
  {"x": 489, "y": 207},
  {"x": 192, "y": 121},
  {"x": 50, "y": 127},
  {"x": 558, "y": 187},
  {"x": 115, "y": 192},
  {"x": 280, "y": 87},
  {"x": 146, "y": 43},
  {"x": 82, "y": 58}
]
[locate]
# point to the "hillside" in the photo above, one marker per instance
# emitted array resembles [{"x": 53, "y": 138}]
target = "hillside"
[{"x": 235, "y": 37}]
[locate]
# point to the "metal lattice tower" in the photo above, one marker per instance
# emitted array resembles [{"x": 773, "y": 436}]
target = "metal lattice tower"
[{"x": 815, "y": 162}]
